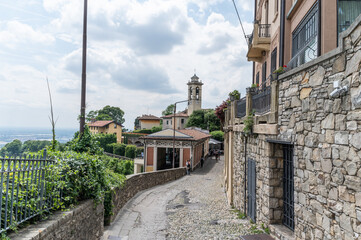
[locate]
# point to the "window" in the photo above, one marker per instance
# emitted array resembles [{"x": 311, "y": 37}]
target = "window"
[
  {"x": 304, "y": 39},
  {"x": 274, "y": 60},
  {"x": 264, "y": 72},
  {"x": 115, "y": 125},
  {"x": 197, "y": 93},
  {"x": 167, "y": 122},
  {"x": 182, "y": 120},
  {"x": 348, "y": 11}
]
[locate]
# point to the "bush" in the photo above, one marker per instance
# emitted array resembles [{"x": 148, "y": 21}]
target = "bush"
[
  {"x": 156, "y": 129},
  {"x": 83, "y": 176},
  {"x": 105, "y": 139},
  {"x": 130, "y": 151},
  {"x": 119, "y": 149},
  {"x": 86, "y": 143},
  {"x": 218, "y": 135}
]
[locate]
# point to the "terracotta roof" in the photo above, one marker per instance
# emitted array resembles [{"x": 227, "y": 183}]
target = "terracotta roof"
[
  {"x": 99, "y": 123},
  {"x": 197, "y": 135},
  {"x": 148, "y": 117},
  {"x": 184, "y": 134},
  {"x": 177, "y": 115}
]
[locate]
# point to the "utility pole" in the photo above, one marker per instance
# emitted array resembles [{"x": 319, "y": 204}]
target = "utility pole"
[
  {"x": 174, "y": 119},
  {"x": 83, "y": 75}
]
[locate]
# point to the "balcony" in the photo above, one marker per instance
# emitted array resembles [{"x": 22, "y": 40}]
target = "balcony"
[{"x": 258, "y": 42}]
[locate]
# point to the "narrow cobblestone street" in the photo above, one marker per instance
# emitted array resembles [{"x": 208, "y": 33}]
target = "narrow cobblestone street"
[{"x": 193, "y": 207}]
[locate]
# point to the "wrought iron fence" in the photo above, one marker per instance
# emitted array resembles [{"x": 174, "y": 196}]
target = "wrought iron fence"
[
  {"x": 249, "y": 39},
  {"x": 261, "y": 97},
  {"x": 241, "y": 106},
  {"x": 306, "y": 54},
  {"x": 26, "y": 189},
  {"x": 264, "y": 30}
]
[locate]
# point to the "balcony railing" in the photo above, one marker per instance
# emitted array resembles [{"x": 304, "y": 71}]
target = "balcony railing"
[
  {"x": 241, "y": 106},
  {"x": 306, "y": 54},
  {"x": 261, "y": 98},
  {"x": 264, "y": 30}
]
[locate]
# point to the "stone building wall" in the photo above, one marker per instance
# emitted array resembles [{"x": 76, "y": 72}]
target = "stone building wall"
[{"x": 325, "y": 133}]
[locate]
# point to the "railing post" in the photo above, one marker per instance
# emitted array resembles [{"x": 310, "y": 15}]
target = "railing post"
[
  {"x": 44, "y": 154},
  {"x": 249, "y": 101},
  {"x": 274, "y": 102}
]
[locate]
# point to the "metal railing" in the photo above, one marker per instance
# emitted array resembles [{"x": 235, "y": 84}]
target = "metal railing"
[
  {"x": 261, "y": 97},
  {"x": 249, "y": 39},
  {"x": 26, "y": 189},
  {"x": 306, "y": 54},
  {"x": 241, "y": 106},
  {"x": 264, "y": 30}
]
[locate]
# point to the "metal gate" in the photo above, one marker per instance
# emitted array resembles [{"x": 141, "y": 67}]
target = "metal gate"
[
  {"x": 251, "y": 195},
  {"x": 288, "y": 190}
]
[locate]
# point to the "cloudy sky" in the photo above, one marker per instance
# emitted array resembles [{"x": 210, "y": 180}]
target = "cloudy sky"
[{"x": 141, "y": 54}]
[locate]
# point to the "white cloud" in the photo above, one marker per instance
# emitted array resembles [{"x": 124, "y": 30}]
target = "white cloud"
[
  {"x": 140, "y": 57},
  {"x": 12, "y": 32}
]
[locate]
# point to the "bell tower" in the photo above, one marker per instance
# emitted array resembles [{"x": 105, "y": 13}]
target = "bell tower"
[{"x": 194, "y": 94}]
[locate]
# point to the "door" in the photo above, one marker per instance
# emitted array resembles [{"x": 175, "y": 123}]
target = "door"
[{"x": 288, "y": 187}]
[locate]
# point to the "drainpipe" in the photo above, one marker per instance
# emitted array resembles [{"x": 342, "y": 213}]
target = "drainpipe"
[
  {"x": 245, "y": 174},
  {"x": 282, "y": 34},
  {"x": 145, "y": 155},
  {"x": 319, "y": 29}
]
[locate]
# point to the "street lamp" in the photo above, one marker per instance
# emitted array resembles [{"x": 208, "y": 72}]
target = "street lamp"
[{"x": 174, "y": 111}]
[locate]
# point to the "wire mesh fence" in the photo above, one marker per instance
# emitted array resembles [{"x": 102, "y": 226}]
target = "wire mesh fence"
[{"x": 28, "y": 188}]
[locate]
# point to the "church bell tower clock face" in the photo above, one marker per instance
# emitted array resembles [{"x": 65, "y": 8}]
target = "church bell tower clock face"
[{"x": 194, "y": 94}]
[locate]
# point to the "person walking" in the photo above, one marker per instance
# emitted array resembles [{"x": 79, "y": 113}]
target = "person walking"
[{"x": 188, "y": 165}]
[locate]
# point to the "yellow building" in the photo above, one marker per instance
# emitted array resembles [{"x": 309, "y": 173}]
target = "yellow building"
[
  {"x": 147, "y": 122},
  {"x": 106, "y": 127}
]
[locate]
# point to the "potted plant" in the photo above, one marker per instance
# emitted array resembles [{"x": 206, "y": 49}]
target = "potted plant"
[
  {"x": 278, "y": 71},
  {"x": 235, "y": 95}
]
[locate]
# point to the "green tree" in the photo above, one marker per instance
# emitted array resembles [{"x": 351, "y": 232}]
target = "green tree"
[
  {"x": 169, "y": 110},
  {"x": 86, "y": 143},
  {"x": 105, "y": 139},
  {"x": 13, "y": 148},
  {"x": 218, "y": 135},
  {"x": 107, "y": 113},
  {"x": 205, "y": 119}
]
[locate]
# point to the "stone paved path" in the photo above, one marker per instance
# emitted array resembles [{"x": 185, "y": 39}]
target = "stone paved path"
[{"x": 193, "y": 207}]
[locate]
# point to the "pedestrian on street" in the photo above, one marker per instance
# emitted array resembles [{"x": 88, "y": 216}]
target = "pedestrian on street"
[
  {"x": 217, "y": 153},
  {"x": 188, "y": 165}
]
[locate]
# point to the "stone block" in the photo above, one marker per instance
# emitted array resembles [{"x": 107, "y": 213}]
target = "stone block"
[
  {"x": 339, "y": 64},
  {"x": 326, "y": 165},
  {"x": 351, "y": 125},
  {"x": 356, "y": 140},
  {"x": 345, "y": 223},
  {"x": 333, "y": 194},
  {"x": 353, "y": 64},
  {"x": 317, "y": 78},
  {"x": 353, "y": 183},
  {"x": 305, "y": 93},
  {"x": 337, "y": 176},
  {"x": 340, "y": 122},
  {"x": 341, "y": 137},
  {"x": 351, "y": 168},
  {"x": 328, "y": 122}
]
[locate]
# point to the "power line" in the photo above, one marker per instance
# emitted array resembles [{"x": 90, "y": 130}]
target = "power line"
[{"x": 235, "y": 7}]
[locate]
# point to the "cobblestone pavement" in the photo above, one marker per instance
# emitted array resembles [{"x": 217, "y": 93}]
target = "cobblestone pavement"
[
  {"x": 200, "y": 210},
  {"x": 193, "y": 207}
]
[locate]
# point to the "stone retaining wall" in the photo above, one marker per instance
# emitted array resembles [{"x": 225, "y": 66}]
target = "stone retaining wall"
[
  {"x": 140, "y": 182},
  {"x": 85, "y": 222}
]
